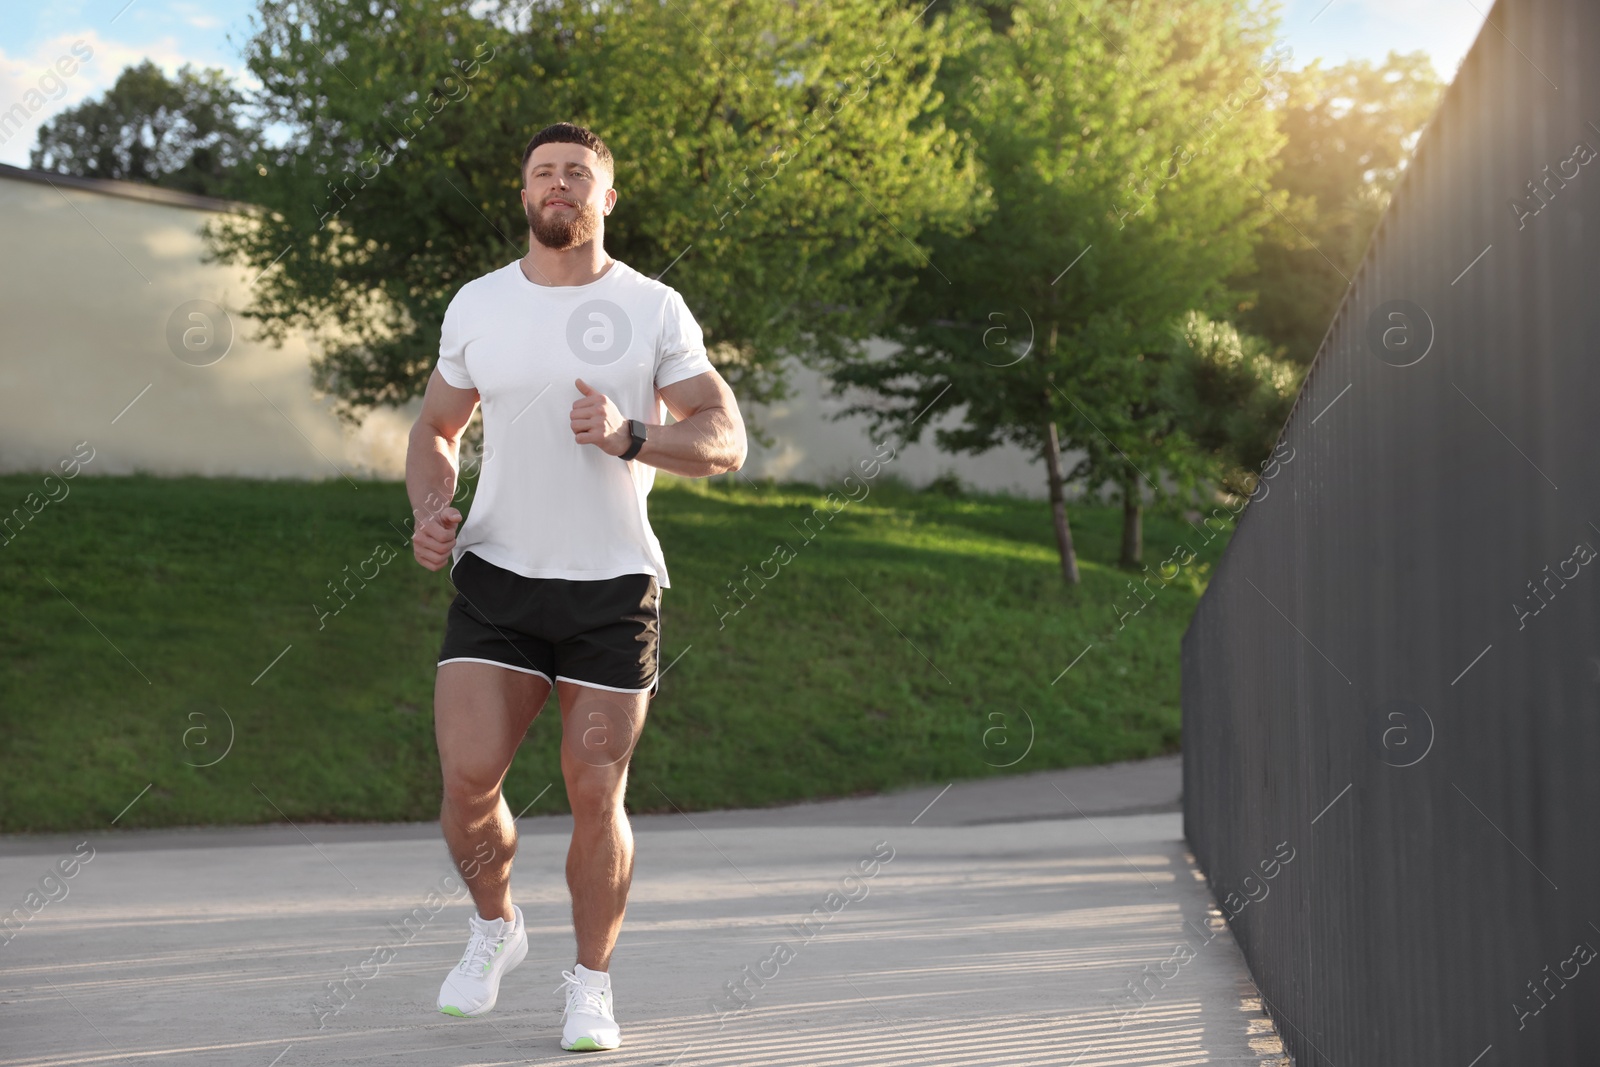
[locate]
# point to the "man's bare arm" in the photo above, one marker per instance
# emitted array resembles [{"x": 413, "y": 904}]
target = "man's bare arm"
[
  {"x": 708, "y": 436},
  {"x": 432, "y": 461}
]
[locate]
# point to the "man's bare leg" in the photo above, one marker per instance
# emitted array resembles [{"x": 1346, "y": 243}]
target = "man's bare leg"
[
  {"x": 481, "y": 714},
  {"x": 598, "y": 731}
]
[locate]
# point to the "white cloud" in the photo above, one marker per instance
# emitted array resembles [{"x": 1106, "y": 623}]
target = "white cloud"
[{"x": 196, "y": 16}]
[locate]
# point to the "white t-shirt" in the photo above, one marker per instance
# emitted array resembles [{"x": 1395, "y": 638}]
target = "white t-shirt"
[{"x": 546, "y": 506}]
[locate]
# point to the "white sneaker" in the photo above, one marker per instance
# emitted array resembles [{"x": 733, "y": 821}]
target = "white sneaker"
[
  {"x": 496, "y": 946},
  {"x": 589, "y": 1023}
]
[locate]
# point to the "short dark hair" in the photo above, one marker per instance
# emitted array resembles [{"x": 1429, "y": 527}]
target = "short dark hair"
[{"x": 567, "y": 133}]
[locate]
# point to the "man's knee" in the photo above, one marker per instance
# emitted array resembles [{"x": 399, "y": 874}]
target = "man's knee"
[
  {"x": 593, "y": 791},
  {"x": 471, "y": 790}
]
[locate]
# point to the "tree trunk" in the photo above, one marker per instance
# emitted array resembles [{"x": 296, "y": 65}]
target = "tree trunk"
[
  {"x": 1058, "y": 505},
  {"x": 1132, "y": 526}
]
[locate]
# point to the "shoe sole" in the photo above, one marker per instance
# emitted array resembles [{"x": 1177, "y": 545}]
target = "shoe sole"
[
  {"x": 518, "y": 954},
  {"x": 588, "y": 1044}
]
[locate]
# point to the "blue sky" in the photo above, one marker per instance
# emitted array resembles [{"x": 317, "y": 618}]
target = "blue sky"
[{"x": 209, "y": 33}]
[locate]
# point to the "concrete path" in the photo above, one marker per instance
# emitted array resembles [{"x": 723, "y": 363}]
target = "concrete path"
[{"x": 990, "y": 931}]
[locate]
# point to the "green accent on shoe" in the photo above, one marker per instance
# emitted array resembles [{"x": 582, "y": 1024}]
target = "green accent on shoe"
[
  {"x": 450, "y": 1009},
  {"x": 585, "y": 1044}
]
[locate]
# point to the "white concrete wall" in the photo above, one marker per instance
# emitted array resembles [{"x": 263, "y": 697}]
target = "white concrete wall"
[
  {"x": 809, "y": 446},
  {"x": 89, "y": 281},
  {"x": 87, "y": 285}
]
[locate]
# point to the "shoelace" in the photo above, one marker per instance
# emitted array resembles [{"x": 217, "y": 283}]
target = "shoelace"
[
  {"x": 480, "y": 952},
  {"x": 582, "y": 999}
]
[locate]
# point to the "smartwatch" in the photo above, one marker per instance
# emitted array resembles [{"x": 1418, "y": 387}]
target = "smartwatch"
[{"x": 636, "y": 430}]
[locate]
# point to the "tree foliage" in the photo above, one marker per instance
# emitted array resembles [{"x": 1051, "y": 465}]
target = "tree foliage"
[
  {"x": 1231, "y": 396},
  {"x": 1349, "y": 131},
  {"x": 190, "y": 133}
]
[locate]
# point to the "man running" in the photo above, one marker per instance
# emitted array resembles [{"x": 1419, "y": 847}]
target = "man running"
[{"x": 576, "y": 358}]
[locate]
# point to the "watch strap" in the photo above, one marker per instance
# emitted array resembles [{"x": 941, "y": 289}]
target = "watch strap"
[{"x": 637, "y": 431}]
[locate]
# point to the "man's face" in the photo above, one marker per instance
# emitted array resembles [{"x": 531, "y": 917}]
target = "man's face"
[{"x": 565, "y": 193}]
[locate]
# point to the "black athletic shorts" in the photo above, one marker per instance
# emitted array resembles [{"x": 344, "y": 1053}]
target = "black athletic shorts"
[{"x": 604, "y": 633}]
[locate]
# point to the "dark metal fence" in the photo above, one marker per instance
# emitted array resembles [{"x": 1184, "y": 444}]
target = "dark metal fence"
[{"x": 1394, "y": 678}]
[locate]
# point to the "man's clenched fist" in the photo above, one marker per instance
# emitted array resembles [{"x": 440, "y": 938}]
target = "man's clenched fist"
[
  {"x": 435, "y": 538},
  {"x": 596, "y": 421}
]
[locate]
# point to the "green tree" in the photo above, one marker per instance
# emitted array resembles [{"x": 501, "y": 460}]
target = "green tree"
[
  {"x": 1128, "y": 154},
  {"x": 1231, "y": 396},
  {"x": 1349, "y": 132},
  {"x": 1209, "y": 405},
  {"x": 1202, "y": 404},
  {"x": 1138, "y": 437},
  {"x": 190, "y": 133},
  {"x": 774, "y": 157}
]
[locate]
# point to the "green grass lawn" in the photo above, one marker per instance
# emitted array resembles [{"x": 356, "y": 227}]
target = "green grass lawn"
[{"x": 913, "y": 640}]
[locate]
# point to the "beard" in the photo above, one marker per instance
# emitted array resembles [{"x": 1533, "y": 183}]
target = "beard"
[{"x": 563, "y": 232}]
